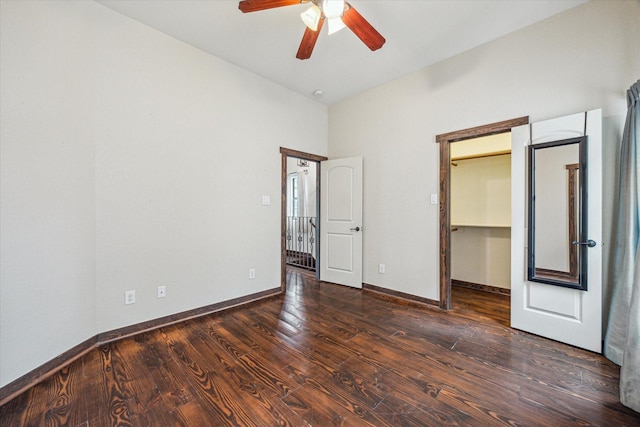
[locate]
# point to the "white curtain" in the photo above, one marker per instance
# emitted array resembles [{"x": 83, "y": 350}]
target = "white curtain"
[
  {"x": 290, "y": 196},
  {"x": 622, "y": 340},
  {"x": 303, "y": 205}
]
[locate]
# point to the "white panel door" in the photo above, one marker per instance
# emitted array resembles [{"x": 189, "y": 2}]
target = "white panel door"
[
  {"x": 341, "y": 221},
  {"x": 564, "y": 314}
]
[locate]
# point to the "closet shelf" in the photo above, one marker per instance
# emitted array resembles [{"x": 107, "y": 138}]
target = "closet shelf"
[
  {"x": 482, "y": 225},
  {"x": 481, "y": 155}
]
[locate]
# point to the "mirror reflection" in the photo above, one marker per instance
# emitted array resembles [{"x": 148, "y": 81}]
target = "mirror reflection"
[{"x": 557, "y": 220}]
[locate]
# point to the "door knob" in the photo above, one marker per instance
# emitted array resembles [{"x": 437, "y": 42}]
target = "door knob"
[
  {"x": 355, "y": 229},
  {"x": 590, "y": 243}
]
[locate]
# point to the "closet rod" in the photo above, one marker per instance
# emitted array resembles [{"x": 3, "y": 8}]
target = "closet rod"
[{"x": 481, "y": 155}]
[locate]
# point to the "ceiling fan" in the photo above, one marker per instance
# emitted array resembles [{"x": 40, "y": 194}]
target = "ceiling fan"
[{"x": 338, "y": 13}]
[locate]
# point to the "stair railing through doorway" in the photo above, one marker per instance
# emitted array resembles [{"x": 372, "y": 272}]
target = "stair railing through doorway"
[{"x": 301, "y": 241}]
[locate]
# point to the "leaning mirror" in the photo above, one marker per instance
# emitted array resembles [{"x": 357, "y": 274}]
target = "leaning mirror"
[{"x": 557, "y": 214}]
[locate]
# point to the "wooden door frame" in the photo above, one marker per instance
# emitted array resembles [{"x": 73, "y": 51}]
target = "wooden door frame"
[
  {"x": 286, "y": 153},
  {"x": 445, "y": 193}
]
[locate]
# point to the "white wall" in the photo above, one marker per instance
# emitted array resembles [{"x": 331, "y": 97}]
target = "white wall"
[
  {"x": 490, "y": 144},
  {"x": 582, "y": 59},
  {"x": 481, "y": 191},
  {"x": 130, "y": 160},
  {"x": 482, "y": 255},
  {"x": 47, "y": 183}
]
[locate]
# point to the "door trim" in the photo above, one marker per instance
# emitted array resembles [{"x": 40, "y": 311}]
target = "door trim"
[
  {"x": 286, "y": 152},
  {"x": 445, "y": 193}
]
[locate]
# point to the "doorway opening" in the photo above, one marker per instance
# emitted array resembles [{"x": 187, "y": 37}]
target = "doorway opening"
[
  {"x": 481, "y": 226},
  {"x": 299, "y": 212},
  {"x": 445, "y": 142}
]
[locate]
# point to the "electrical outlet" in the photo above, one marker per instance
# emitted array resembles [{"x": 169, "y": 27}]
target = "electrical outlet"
[
  {"x": 252, "y": 273},
  {"x": 129, "y": 297},
  {"x": 381, "y": 269},
  {"x": 162, "y": 291}
]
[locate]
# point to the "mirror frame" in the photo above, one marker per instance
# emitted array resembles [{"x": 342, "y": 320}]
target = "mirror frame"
[{"x": 582, "y": 217}]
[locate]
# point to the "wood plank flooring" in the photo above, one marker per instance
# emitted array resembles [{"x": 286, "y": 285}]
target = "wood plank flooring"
[{"x": 326, "y": 355}]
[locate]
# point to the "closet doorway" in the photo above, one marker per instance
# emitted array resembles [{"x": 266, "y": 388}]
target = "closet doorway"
[
  {"x": 481, "y": 226},
  {"x": 300, "y": 204},
  {"x": 476, "y": 227}
]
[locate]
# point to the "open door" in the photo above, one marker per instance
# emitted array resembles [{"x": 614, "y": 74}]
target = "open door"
[
  {"x": 556, "y": 270},
  {"x": 341, "y": 221}
]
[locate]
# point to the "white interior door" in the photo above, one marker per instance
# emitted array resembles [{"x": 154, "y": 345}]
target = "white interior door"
[
  {"x": 341, "y": 221},
  {"x": 568, "y": 315}
]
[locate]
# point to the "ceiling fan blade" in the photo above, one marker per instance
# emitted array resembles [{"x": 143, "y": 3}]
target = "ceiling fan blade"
[
  {"x": 309, "y": 41},
  {"x": 361, "y": 28},
  {"x": 257, "y": 5}
]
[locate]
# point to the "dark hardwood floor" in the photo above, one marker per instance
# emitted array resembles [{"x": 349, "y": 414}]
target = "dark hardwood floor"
[{"x": 328, "y": 355}]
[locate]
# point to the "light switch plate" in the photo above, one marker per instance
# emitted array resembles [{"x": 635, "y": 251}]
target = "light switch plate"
[
  {"x": 129, "y": 297},
  {"x": 266, "y": 200}
]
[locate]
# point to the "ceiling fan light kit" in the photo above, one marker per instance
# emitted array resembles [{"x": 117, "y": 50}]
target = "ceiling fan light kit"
[
  {"x": 333, "y": 8},
  {"x": 339, "y": 14},
  {"x": 311, "y": 17},
  {"x": 334, "y": 25}
]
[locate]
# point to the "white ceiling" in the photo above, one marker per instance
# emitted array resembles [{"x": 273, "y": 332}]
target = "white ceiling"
[{"x": 418, "y": 33}]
